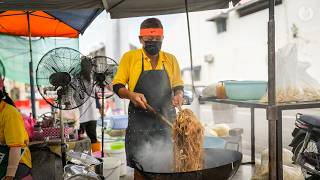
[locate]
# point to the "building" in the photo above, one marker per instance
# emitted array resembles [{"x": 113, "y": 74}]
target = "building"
[
  {"x": 238, "y": 40},
  {"x": 227, "y": 44}
]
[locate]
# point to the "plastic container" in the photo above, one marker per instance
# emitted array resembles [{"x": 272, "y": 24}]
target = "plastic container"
[
  {"x": 214, "y": 142},
  {"x": 111, "y": 168},
  {"x": 117, "y": 145},
  {"x": 116, "y": 122},
  {"x": 221, "y": 91},
  {"x": 121, "y": 154},
  {"x": 245, "y": 90}
]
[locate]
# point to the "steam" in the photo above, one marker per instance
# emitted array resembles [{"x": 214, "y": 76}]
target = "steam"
[{"x": 156, "y": 156}]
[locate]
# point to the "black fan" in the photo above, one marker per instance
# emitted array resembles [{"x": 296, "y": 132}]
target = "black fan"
[
  {"x": 104, "y": 69},
  {"x": 58, "y": 79},
  {"x": 59, "y": 82}
]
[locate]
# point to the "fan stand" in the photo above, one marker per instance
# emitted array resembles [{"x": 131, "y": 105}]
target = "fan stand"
[
  {"x": 102, "y": 118},
  {"x": 63, "y": 144},
  {"x": 100, "y": 81}
]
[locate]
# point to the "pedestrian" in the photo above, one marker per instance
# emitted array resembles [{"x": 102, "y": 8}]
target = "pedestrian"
[{"x": 88, "y": 111}]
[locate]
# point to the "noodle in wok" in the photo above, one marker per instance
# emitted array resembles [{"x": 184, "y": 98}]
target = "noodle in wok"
[{"x": 188, "y": 140}]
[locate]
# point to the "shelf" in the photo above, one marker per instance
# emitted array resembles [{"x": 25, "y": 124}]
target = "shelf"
[
  {"x": 248, "y": 104},
  {"x": 257, "y": 104}
]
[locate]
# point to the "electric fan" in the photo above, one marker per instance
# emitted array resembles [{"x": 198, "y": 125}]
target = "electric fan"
[
  {"x": 104, "y": 69},
  {"x": 59, "y": 83}
]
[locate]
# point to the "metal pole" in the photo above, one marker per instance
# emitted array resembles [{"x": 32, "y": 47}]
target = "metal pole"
[
  {"x": 32, "y": 92},
  {"x": 253, "y": 152},
  {"x": 274, "y": 169},
  {"x": 102, "y": 123},
  {"x": 279, "y": 146},
  {"x": 190, "y": 46},
  {"x": 63, "y": 143}
]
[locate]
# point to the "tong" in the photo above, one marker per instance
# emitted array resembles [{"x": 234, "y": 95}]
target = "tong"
[{"x": 160, "y": 116}]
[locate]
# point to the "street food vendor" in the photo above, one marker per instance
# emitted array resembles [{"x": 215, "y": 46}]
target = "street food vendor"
[
  {"x": 152, "y": 77},
  {"x": 15, "y": 157}
]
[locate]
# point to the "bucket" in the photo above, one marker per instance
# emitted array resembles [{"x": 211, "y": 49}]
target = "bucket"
[
  {"x": 121, "y": 154},
  {"x": 111, "y": 168}
]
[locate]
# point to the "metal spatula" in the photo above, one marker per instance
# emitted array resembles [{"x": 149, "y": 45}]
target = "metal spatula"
[{"x": 160, "y": 116}]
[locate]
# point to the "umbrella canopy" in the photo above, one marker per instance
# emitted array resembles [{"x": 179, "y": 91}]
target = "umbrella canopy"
[
  {"x": 50, "y": 4},
  {"x": 46, "y": 18},
  {"x": 47, "y": 23},
  {"x": 135, "y": 8},
  {"x": 118, "y": 8}
]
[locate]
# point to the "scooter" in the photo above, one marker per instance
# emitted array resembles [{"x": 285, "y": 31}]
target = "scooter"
[{"x": 306, "y": 144}]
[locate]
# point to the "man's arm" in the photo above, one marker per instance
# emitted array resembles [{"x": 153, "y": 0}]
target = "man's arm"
[
  {"x": 137, "y": 99},
  {"x": 177, "y": 84},
  {"x": 177, "y": 99}
]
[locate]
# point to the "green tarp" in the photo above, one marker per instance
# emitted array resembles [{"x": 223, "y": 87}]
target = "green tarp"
[{"x": 14, "y": 53}]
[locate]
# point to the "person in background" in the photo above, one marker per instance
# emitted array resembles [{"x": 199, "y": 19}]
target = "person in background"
[
  {"x": 88, "y": 111},
  {"x": 15, "y": 93},
  {"x": 153, "y": 77},
  {"x": 15, "y": 157}
]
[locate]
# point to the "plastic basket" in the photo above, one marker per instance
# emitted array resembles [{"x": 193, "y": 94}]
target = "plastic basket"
[
  {"x": 117, "y": 122},
  {"x": 245, "y": 90}
]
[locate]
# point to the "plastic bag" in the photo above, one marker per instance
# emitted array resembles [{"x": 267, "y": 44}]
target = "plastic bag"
[
  {"x": 209, "y": 91},
  {"x": 293, "y": 82},
  {"x": 224, "y": 113},
  {"x": 289, "y": 173},
  {"x": 286, "y": 156},
  {"x": 29, "y": 122},
  {"x": 221, "y": 130}
]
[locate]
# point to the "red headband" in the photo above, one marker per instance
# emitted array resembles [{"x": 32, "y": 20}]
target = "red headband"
[{"x": 151, "y": 32}]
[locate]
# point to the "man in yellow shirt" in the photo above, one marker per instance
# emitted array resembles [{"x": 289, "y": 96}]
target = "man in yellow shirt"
[
  {"x": 13, "y": 141},
  {"x": 153, "y": 77}
]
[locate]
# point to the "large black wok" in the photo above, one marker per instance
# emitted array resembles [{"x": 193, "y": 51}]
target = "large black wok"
[{"x": 219, "y": 164}]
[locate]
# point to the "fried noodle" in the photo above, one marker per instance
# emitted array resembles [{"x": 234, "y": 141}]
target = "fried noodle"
[{"x": 188, "y": 141}]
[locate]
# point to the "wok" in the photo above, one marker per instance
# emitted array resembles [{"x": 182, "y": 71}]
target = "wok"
[{"x": 219, "y": 164}]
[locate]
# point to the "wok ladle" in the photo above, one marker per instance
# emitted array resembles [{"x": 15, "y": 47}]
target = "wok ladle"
[{"x": 160, "y": 116}]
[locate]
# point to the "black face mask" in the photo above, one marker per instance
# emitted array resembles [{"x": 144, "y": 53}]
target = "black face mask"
[{"x": 152, "y": 47}]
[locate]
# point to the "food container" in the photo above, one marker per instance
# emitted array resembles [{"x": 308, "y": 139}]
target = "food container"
[
  {"x": 116, "y": 122},
  {"x": 245, "y": 90},
  {"x": 220, "y": 91},
  {"x": 53, "y": 133}
]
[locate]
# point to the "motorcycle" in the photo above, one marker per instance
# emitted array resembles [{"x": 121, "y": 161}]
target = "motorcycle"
[{"x": 306, "y": 145}]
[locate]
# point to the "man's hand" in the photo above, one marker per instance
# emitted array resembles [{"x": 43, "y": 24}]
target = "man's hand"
[
  {"x": 8, "y": 178},
  {"x": 138, "y": 100},
  {"x": 177, "y": 99}
]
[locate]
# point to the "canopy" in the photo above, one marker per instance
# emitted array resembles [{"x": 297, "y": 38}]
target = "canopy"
[
  {"x": 118, "y": 8},
  {"x": 46, "y": 18},
  {"x": 49, "y": 4},
  {"x": 47, "y": 23},
  {"x": 135, "y": 8}
]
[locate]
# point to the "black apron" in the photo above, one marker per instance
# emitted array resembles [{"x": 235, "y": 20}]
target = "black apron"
[{"x": 143, "y": 126}]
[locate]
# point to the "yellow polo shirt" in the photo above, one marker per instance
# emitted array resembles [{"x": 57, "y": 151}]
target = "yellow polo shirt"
[
  {"x": 130, "y": 68},
  {"x": 12, "y": 131}
]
